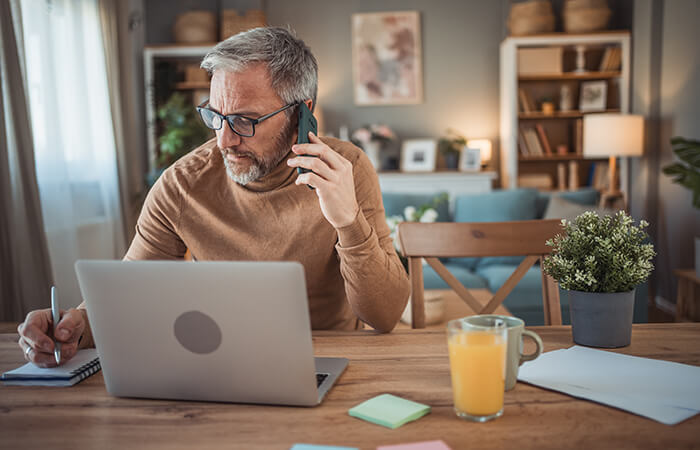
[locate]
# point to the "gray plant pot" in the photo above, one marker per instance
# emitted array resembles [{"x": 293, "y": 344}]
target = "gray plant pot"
[{"x": 601, "y": 319}]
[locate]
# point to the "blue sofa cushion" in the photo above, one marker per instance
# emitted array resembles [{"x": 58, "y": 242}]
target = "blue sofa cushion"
[
  {"x": 431, "y": 280},
  {"x": 496, "y": 206},
  {"x": 583, "y": 196},
  {"x": 525, "y": 300},
  {"x": 396, "y": 202}
]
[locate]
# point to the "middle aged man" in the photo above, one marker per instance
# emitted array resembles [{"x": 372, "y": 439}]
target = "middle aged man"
[{"x": 238, "y": 197}]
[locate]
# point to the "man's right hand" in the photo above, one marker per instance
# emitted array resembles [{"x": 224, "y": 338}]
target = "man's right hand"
[{"x": 36, "y": 336}]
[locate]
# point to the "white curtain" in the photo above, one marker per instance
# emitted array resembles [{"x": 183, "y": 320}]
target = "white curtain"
[{"x": 73, "y": 136}]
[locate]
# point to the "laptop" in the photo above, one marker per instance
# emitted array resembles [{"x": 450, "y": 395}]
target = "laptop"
[{"x": 210, "y": 331}]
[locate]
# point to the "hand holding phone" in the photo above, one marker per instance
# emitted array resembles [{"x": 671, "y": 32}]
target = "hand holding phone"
[{"x": 307, "y": 122}]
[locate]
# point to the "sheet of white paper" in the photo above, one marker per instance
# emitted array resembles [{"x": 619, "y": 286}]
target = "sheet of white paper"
[{"x": 661, "y": 390}]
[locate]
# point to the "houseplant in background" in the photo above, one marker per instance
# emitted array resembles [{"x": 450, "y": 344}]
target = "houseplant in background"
[
  {"x": 687, "y": 174},
  {"x": 374, "y": 139},
  {"x": 598, "y": 261},
  {"x": 182, "y": 131},
  {"x": 450, "y": 146},
  {"x": 426, "y": 213}
]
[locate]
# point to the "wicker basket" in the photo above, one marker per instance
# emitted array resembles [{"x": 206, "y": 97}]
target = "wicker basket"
[
  {"x": 584, "y": 16},
  {"x": 195, "y": 27},
  {"x": 531, "y": 17},
  {"x": 233, "y": 23}
]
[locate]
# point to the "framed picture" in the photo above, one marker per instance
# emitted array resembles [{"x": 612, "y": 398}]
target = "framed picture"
[
  {"x": 470, "y": 159},
  {"x": 418, "y": 155},
  {"x": 594, "y": 95},
  {"x": 386, "y": 58}
]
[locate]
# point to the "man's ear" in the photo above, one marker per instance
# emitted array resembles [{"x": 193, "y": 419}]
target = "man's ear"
[{"x": 310, "y": 104}]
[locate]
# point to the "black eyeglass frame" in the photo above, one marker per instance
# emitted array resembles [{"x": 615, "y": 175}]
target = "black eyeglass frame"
[{"x": 229, "y": 118}]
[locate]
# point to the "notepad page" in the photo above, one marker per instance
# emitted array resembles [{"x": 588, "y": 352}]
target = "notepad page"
[{"x": 66, "y": 370}]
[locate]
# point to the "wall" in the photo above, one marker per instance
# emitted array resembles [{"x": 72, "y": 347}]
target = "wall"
[
  {"x": 666, "y": 89},
  {"x": 460, "y": 41}
]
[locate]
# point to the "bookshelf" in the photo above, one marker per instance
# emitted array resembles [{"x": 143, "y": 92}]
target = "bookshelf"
[
  {"x": 592, "y": 71},
  {"x": 164, "y": 68}
]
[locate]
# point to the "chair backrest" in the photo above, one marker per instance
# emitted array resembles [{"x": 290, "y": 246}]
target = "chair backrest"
[{"x": 431, "y": 241}]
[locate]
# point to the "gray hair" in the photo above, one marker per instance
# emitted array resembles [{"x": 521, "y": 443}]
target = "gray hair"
[{"x": 292, "y": 67}]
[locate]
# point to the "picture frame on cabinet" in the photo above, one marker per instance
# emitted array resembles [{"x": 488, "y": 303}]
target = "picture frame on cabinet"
[
  {"x": 593, "y": 97},
  {"x": 470, "y": 159},
  {"x": 418, "y": 155}
]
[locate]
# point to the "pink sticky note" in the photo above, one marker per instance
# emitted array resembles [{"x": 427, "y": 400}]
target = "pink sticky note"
[{"x": 426, "y": 445}]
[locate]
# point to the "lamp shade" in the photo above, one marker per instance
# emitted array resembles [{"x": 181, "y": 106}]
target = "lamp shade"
[{"x": 607, "y": 135}]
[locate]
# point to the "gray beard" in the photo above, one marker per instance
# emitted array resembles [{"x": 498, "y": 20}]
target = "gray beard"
[{"x": 260, "y": 166}]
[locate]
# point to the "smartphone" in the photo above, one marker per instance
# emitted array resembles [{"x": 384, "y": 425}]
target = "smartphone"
[{"x": 307, "y": 122}]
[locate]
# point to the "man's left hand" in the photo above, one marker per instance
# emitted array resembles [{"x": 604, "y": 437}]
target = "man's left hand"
[{"x": 332, "y": 177}]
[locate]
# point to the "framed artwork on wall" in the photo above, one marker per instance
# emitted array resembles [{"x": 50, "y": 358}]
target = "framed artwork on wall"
[
  {"x": 594, "y": 96},
  {"x": 386, "y": 58},
  {"x": 418, "y": 155}
]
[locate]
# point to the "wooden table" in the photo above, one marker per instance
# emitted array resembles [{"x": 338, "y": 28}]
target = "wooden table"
[
  {"x": 688, "y": 300},
  {"x": 410, "y": 363}
]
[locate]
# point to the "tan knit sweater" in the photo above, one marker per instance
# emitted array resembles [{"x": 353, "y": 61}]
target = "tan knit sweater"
[{"x": 351, "y": 273}]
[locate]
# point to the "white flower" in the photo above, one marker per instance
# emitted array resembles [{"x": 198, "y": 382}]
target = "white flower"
[
  {"x": 410, "y": 213},
  {"x": 430, "y": 215}
]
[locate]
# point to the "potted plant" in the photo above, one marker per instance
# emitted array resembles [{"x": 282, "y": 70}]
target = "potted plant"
[
  {"x": 450, "y": 146},
  {"x": 182, "y": 131},
  {"x": 598, "y": 261},
  {"x": 687, "y": 173}
]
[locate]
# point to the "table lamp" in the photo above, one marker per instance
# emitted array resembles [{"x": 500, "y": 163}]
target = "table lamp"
[
  {"x": 612, "y": 135},
  {"x": 484, "y": 145}
]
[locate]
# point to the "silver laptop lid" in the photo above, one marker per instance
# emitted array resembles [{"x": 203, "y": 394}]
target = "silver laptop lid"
[{"x": 213, "y": 331}]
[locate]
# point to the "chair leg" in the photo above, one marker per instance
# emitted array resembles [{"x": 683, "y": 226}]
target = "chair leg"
[
  {"x": 550, "y": 300},
  {"x": 415, "y": 272}
]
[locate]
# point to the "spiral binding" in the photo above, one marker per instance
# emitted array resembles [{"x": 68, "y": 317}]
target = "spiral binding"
[{"x": 87, "y": 369}]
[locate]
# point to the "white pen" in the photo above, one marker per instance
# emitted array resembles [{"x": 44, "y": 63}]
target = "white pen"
[{"x": 56, "y": 318}]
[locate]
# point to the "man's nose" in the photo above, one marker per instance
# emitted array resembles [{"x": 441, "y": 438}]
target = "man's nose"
[{"x": 225, "y": 137}]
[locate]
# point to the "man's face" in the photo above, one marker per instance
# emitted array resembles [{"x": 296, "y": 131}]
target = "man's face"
[{"x": 249, "y": 93}]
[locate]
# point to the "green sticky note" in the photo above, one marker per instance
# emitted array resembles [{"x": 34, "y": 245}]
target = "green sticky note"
[{"x": 389, "y": 410}]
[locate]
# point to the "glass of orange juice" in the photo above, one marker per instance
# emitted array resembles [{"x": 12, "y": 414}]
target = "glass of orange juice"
[{"x": 478, "y": 347}]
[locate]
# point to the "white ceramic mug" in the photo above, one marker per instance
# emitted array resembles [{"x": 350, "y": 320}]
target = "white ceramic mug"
[{"x": 515, "y": 356}]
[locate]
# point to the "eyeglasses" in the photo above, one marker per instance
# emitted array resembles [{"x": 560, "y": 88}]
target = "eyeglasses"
[{"x": 241, "y": 125}]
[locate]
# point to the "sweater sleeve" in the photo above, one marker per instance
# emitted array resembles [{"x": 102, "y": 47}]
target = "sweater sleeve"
[
  {"x": 157, "y": 227},
  {"x": 376, "y": 283}
]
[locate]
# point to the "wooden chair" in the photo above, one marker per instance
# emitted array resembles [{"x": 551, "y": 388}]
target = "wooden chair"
[{"x": 431, "y": 241}]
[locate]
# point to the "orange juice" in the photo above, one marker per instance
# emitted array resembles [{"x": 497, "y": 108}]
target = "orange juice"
[{"x": 477, "y": 366}]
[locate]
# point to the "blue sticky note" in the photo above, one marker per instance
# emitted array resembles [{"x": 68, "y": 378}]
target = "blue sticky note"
[
  {"x": 389, "y": 411},
  {"x": 319, "y": 447}
]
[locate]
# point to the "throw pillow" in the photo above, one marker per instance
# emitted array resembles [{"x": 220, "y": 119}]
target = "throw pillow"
[
  {"x": 497, "y": 206},
  {"x": 560, "y": 208}
]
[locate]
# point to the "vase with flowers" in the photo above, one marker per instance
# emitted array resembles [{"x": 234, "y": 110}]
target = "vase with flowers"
[
  {"x": 598, "y": 262},
  {"x": 374, "y": 139}
]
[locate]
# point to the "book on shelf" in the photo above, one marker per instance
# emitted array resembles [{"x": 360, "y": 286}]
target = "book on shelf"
[
  {"x": 599, "y": 178},
  {"x": 535, "y": 180},
  {"x": 533, "y": 142},
  {"x": 573, "y": 175},
  {"x": 521, "y": 144},
  {"x": 561, "y": 176},
  {"x": 615, "y": 60},
  {"x": 543, "y": 139},
  {"x": 611, "y": 60},
  {"x": 579, "y": 137},
  {"x": 526, "y": 104}
]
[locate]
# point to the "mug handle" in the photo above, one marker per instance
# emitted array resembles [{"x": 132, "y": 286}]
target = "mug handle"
[{"x": 538, "y": 342}]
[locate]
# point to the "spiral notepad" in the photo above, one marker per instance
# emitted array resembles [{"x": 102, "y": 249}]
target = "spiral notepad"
[{"x": 82, "y": 365}]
